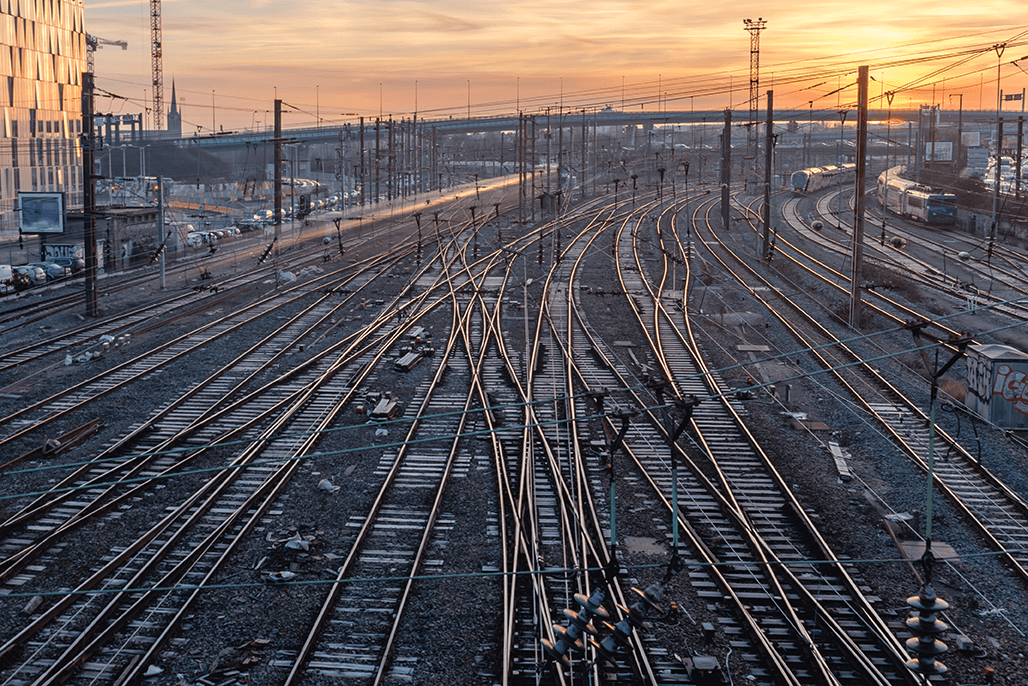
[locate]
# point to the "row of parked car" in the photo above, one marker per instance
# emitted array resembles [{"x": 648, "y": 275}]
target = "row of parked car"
[
  {"x": 23, "y": 276},
  {"x": 197, "y": 238}
]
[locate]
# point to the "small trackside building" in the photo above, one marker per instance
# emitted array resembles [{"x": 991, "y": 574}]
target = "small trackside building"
[{"x": 997, "y": 385}]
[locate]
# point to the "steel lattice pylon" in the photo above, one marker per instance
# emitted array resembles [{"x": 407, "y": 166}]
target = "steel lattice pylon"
[
  {"x": 158, "y": 67},
  {"x": 754, "y": 28}
]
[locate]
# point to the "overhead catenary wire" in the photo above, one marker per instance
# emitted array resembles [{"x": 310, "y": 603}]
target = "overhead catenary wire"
[
  {"x": 708, "y": 84},
  {"x": 551, "y": 571}
]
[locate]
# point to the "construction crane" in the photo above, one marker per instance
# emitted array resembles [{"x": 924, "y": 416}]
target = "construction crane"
[
  {"x": 94, "y": 42},
  {"x": 158, "y": 68}
]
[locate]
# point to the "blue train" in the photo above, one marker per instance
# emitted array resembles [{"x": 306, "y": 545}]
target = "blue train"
[
  {"x": 912, "y": 201},
  {"x": 816, "y": 178}
]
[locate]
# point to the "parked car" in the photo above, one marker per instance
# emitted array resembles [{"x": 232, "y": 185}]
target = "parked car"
[
  {"x": 35, "y": 275},
  {"x": 53, "y": 270},
  {"x": 6, "y": 279},
  {"x": 20, "y": 280},
  {"x": 77, "y": 264}
]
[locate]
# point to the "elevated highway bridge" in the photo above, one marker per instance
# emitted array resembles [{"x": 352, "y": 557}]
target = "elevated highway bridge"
[{"x": 599, "y": 118}]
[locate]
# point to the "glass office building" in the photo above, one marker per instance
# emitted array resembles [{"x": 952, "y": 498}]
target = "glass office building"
[{"x": 42, "y": 57}]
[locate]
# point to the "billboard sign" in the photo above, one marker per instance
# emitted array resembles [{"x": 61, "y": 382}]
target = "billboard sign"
[
  {"x": 939, "y": 151},
  {"x": 41, "y": 212}
]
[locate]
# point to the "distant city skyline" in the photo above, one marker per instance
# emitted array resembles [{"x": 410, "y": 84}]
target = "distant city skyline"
[{"x": 230, "y": 59}]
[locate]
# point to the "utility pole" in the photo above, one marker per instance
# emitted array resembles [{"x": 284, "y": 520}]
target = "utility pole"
[
  {"x": 340, "y": 169},
  {"x": 858, "y": 204},
  {"x": 532, "y": 160},
  {"x": 363, "y": 166},
  {"x": 89, "y": 194},
  {"x": 839, "y": 163},
  {"x": 278, "y": 173},
  {"x": 522, "y": 171},
  {"x": 1017, "y": 158},
  {"x": 995, "y": 188},
  {"x": 162, "y": 238},
  {"x": 766, "y": 247},
  {"x": 549, "y": 152},
  {"x": 919, "y": 144},
  {"x": 585, "y": 144},
  {"x": 726, "y": 169},
  {"x": 960, "y": 131},
  {"x": 560, "y": 158}
]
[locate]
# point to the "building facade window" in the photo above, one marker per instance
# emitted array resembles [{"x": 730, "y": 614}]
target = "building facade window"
[{"x": 42, "y": 57}]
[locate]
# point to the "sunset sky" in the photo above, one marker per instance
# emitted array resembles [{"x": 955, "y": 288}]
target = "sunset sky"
[{"x": 337, "y": 60}]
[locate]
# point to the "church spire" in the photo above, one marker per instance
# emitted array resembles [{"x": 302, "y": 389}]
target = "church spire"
[{"x": 174, "y": 116}]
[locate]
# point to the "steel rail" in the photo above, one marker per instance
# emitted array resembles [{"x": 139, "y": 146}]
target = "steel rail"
[
  {"x": 306, "y": 651},
  {"x": 854, "y": 653},
  {"x": 948, "y": 483}
]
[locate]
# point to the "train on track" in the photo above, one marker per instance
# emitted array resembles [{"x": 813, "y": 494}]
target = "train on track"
[
  {"x": 911, "y": 200},
  {"x": 816, "y": 178}
]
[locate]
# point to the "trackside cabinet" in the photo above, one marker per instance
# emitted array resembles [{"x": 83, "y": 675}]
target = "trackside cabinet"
[{"x": 997, "y": 385}]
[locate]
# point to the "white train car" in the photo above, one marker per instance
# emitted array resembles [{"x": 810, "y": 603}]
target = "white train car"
[
  {"x": 912, "y": 201},
  {"x": 816, "y": 178},
  {"x": 892, "y": 187}
]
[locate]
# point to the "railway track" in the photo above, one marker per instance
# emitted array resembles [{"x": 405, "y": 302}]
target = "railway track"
[
  {"x": 319, "y": 410},
  {"x": 753, "y": 489},
  {"x": 501, "y": 497},
  {"x": 997, "y": 511}
]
